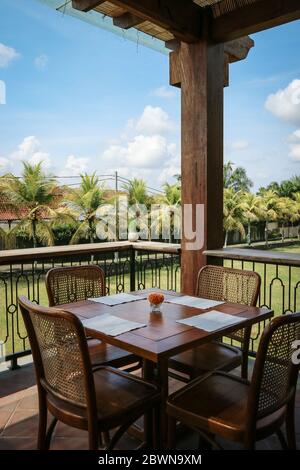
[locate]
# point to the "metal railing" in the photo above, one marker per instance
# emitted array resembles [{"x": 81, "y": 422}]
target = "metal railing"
[
  {"x": 133, "y": 266},
  {"x": 127, "y": 266},
  {"x": 280, "y": 279}
]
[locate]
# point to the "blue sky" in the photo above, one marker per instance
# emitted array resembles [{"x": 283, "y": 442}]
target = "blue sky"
[{"x": 82, "y": 99}]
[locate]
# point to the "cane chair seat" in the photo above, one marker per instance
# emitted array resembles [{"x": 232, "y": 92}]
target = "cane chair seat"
[
  {"x": 118, "y": 394},
  {"x": 211, "y": 356},
  {"x": 224, "y": 405},
  {"x": 228, "y": 285},
  {"x": 74, "y": 283},
  {"x": 217, "y": 404}
]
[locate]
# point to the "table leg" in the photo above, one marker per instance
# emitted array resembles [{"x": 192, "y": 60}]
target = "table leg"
[
  {"x": 163, "y": 382},
  {"x": 150, "y": 424}
]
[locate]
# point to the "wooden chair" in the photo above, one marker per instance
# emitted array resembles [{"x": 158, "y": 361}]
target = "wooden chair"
[
  {"x": 96, "y": 400},
  {"x": 224, "y": 284},
  {"x": 224, "y": 405},
  {"x": 72, "y": 284}
]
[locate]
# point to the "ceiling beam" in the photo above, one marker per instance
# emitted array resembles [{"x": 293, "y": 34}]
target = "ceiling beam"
[
  {"x": 86, "y": 5},
  {"x": 254, "y": 18},
  {"x": 238, "y": 49},
  {"x": 127, "y": 20},
  {"x": 234, "y": 51},
  {"x": 183, "y": 19}
]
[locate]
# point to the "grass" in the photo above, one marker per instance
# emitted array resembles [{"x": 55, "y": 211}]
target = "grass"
[{"x": 279, "y": 291}]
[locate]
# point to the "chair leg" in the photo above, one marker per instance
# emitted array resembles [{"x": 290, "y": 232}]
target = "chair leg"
[
  {"x": 282, "y": 439},
  {"x": 49, "y": 433},
  {"x": 42, "y": 431},
  {"x": 156, "y": 427},
  {"x": 106, "y": 437},
  {"x": 290, "y": 426},
  {"x": 148, "y": 429},
  {"x": 244, "y": 367},
  {"x": 171, "y": 433},
  {"x": 93, "y": 440}
]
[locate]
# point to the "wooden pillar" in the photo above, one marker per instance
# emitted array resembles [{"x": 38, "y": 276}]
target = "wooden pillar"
[{"x": 199, "y": 70}]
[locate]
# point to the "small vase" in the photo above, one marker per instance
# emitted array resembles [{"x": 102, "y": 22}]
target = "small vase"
[
  {"x": 133, "y": 237},
  {"x": 156, "y": 308}
]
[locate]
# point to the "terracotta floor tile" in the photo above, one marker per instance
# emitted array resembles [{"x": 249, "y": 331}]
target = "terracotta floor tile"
[
  {"x": 64, "y": 431},
  {"x": 4, "y": 417},
  {"x": 23, "y": 423},
  {"x": 29, "y": 403},
  {"x": 19, "y": 417},
  {"x": 76, "y": 443},
  {"x": 17, "y": 443}
]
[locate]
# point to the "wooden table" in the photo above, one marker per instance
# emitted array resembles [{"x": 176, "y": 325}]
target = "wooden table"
[{"x": 162, "y": 338}]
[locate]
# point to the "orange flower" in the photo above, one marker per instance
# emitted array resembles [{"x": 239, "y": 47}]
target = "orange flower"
[{"x": 156, "y": 298}]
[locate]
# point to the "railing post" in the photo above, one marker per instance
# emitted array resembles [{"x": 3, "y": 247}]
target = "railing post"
[
  {"x": 14, "y": 364},
  {"x": 132, "y": 270}
]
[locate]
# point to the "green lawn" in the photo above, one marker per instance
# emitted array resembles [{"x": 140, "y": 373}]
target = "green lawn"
[{"x": 279, "y": 291}]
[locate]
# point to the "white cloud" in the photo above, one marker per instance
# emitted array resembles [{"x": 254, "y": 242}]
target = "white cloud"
[
  {"x": 30, "y": 150},
  {"x": 172, "y": 168},
  {"x": 3, "y": 162},
  {"x": 285, "y": 104},
  {"x": 41, "y": 157},
  {"x": 140, "y": 152},
  {"x": 7, "y": 55},
  {"x": 143, "y": 149},
  {"x": 239, "y": 145},
  {"x": 154, "y": 121},
  {"x": 76, "y": 165},
  {"x": 294, "y": 146},
  {"x": 41, "y": 61},
  {"x": 163, "y": 92}
]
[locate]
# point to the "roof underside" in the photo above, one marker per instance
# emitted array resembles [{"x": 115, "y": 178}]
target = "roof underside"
[{"x": 159, "y": 24}]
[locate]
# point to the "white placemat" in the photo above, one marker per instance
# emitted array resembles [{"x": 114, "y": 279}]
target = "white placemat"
[
  {"x": 111, "y": 325},
  {"x": 211, "y": 321},
  {"x": 117, "y": 299},
  {"x": 196, "y": 302}
]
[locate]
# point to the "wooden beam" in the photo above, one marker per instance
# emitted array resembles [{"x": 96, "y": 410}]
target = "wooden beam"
[
  {"x": 233, "y": 51},
  {"x": 183, "y": 19},
  {"x": 226, "y": 70},
  {"x": 238, "y": 49},
  {"x": 200, "y": 68},
  {"x": 172, "y": 44},
  {"x": 86, "y": 5},
  {"x": 254, "y": 18},
  {"x": 127, "y": 20},
  {"x": 175, "y": 69}
]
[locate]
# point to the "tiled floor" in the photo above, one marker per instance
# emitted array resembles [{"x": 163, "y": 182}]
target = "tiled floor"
[{"x": 19, "y": 419}]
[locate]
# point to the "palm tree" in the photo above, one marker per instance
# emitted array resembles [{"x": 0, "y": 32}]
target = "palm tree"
[
  {"x": 138, "y": 199},
  {"x": 296, "y": 197},
  {"x": 233, "y": 212},
  {"x": 288, "y": 212},
  {"x": 165, "y": 215},
  {"x": 272, "y": 208},
  {"x": 253, "y": 210},
  {"x": 137, "y": 191},
  {"x": 32, "y": 197},
  {"x": 83, "y": 204},
  {"x": 236, "y": 178}
]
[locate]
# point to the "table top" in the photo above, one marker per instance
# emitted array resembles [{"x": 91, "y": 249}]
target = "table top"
[{"x": 163, "y": 337}]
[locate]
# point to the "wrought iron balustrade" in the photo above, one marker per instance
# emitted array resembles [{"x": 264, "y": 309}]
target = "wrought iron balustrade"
[
  {"x": 131, "y": 266},
  {"x": 127, "y": 267},
  {"x": 280, "y": 279}
]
